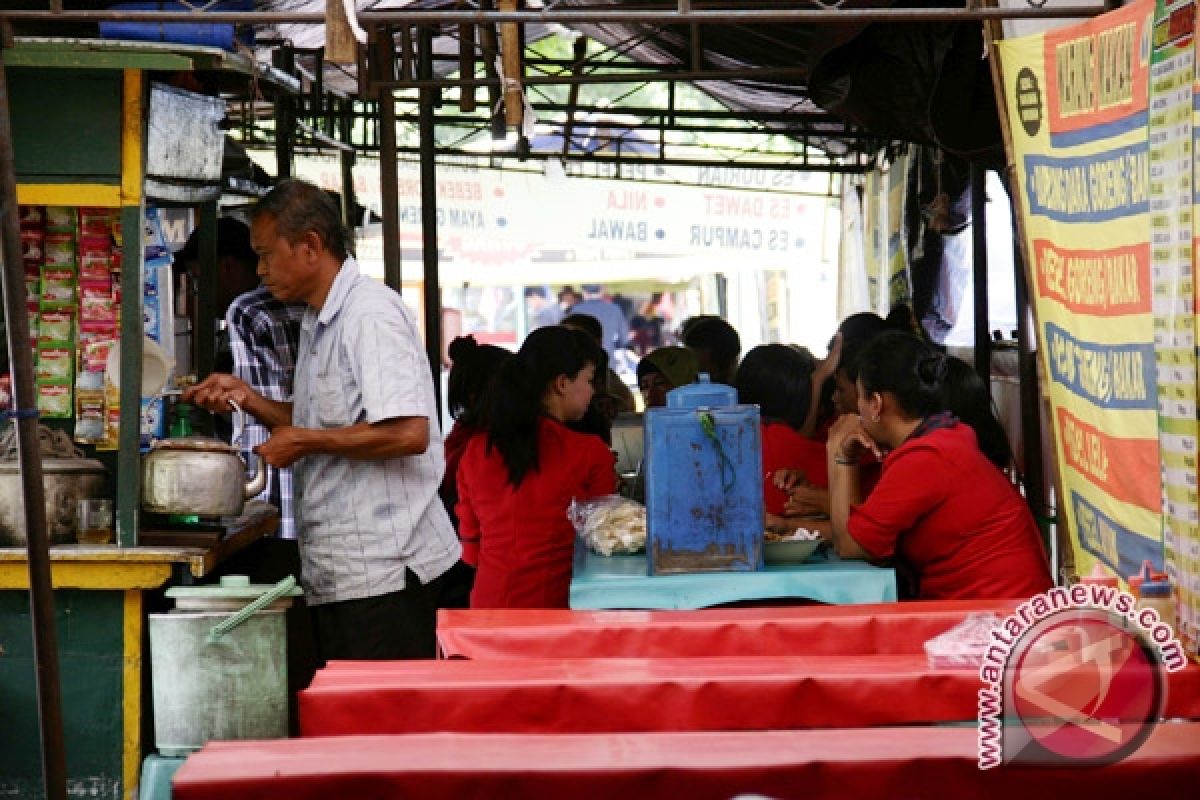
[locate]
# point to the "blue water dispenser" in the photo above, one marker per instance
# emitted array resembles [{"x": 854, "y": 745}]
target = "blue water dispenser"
[{"x": 703, "y": 472}]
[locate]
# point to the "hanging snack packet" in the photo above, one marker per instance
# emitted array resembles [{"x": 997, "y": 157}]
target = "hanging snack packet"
[
  {"x": 33, "y": 243},
  {"x": 95, "y": 257},
  {"x": 59, "y": 250},
  {"x": 55, "y": 363},
  {"x": 96, "y": 222},
  {"x": 32, "y": 216},
  {"x": 56, "y": 326},
  {"x": 96, "y": 307},
  {"x": 54, "y": 399},
  {"x": 61, "y": 218},
  {"x": 89, "y": 416},
  {"x": 58, "y": 288},
  {"x": 94, "y": 347}
]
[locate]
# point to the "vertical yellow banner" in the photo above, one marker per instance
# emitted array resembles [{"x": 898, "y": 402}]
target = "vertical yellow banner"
[{"x": 1078, "y": 101}]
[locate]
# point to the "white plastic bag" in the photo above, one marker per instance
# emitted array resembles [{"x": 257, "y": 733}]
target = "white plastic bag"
[
  {"x": 610, "y": 525},
  {"x": 964, "y": 644}
]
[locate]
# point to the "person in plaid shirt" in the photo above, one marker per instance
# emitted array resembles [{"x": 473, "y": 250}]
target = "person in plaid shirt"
[{"x": 263, "y": 336}]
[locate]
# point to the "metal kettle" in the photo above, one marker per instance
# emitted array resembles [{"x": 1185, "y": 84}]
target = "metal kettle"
[{"x": 199, "y": 475}]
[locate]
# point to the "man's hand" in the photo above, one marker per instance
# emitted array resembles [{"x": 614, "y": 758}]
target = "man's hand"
[
  {"x": 215, "y": 392},
  {"x": 806, "y": 500},
  {"x": 286, "y": 445}
]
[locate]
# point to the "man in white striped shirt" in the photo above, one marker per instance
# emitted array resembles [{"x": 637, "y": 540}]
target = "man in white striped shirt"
[{"x": 362, "y": 432}]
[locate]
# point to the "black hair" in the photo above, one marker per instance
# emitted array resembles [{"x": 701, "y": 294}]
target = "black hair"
[
  {"x": 516, "y": 397},
  {"x": 964, "y": 394},
  {"x": 233, "y": 239},
  {"x": 909, "y": 369},
  {"x": 299, "y": 207},
  {"x": 903, "y": 318},
  {"x": 586, "y": 323},
  {"x": 857, "y": 330},
  {"x": 714, "y": 334},
  {"x": 535, "y": 291},
  {"x": 778, "y": 379},
  {"x": 473, "y": 367}
]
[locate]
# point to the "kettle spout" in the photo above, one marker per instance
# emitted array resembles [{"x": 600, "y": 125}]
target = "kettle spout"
[{"x": 257, "y": 483}]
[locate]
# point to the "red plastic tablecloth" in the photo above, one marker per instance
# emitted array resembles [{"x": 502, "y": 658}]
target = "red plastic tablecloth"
[
  {"x": 892, "y": 762},
  {"x": 665, "y": 694},
  {"x": 884, "y": 628}
]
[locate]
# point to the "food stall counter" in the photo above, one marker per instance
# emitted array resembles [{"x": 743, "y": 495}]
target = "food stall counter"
[{"x": 99, "y": 598}]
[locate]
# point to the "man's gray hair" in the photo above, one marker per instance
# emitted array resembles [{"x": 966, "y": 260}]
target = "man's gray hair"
[{"x": 299, "y": 207}]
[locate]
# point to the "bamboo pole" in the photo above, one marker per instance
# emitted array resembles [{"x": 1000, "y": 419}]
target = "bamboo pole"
[
  {"x": 340, "y": 44},
  {"x": 29, "y": 458},
  {"x": 510, "y": 58}
]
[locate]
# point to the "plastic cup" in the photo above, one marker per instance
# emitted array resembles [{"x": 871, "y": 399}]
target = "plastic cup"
[{"x": 95, "y": 521}]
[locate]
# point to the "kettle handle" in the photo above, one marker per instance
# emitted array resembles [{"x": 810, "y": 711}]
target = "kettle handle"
[
  {"x": 250, "y": 609},
  {"x": 239, "y": 423},
  {"x": 258, "y": 482}
]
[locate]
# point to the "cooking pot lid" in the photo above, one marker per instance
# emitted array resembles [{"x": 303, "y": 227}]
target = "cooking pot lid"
[
  {"x": 236, "y": 587},
  {"x": 201, "y": 444}
]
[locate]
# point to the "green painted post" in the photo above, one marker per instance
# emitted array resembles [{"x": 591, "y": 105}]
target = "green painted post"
[{"x": 129, "y": 461}]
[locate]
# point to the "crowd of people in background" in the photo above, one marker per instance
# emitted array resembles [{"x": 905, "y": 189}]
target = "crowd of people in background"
[{"x": 886, "y": 446}]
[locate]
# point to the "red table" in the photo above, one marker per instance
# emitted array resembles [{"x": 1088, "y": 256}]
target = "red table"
[
  {"x": 884, "y": 762},
  {"x": 662, "y": 694},
  {"x": 883, "y": 628}
]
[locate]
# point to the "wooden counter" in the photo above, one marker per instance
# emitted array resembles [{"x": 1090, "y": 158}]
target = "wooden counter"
[{"x": 84, "y": 566}]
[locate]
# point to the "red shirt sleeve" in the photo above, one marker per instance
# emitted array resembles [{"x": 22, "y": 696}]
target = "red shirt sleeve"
[
  {"x": 601, "y": 469},
  {"x": 913, "y": 482},
  {"x": 468, "y": 522}
]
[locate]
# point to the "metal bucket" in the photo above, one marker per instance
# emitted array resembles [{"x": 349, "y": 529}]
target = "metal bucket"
[{"x": 220, "y": 675}]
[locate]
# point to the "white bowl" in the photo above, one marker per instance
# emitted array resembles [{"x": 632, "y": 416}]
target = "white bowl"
[{"x": 792, "y": 551}]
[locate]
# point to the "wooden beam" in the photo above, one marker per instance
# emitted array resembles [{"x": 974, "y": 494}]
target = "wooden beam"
[{"x": 510, "y": 57}]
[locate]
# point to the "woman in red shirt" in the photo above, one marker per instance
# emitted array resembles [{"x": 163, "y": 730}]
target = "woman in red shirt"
[
  {"x": 474, "y": 367},
  {"x": 778, "y": 379},
  {"x": 515, "y": 482},
  {"x": 940, "y": 507}
]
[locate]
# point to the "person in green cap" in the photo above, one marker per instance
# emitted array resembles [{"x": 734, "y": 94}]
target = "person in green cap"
[{"x": 665, "y": 369}]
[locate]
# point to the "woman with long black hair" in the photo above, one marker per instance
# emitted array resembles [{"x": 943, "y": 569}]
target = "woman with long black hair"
[
  {"x": 941, "y": 507},
  {"x": 515, "y": 482}
]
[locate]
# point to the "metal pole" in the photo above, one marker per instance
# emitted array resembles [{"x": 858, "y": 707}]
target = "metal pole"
[
  {"x": 1031, "y": 395},
  {"x": 205, "y": 325},
  {"x": 346, "y": 158},
  {"x": 29, "y": 457},
  {"x": 389, "y": 183},
  {"x": 285, "y": 117},
  {"x": 429, "y": 232},
  {"x": 983, "y": 335}
]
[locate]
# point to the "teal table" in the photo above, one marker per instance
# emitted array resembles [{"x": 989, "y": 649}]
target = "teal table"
[{"x": 621, "y": 582}]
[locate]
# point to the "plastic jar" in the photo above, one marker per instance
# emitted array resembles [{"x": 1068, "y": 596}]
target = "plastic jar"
[{"x": 1160, "y": 596}]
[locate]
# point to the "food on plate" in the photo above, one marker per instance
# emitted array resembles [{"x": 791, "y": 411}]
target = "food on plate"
[{"x": 798, "y": 535}]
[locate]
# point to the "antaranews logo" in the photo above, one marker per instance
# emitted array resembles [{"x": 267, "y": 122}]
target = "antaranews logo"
[{"x": 1074, "y": 676}]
